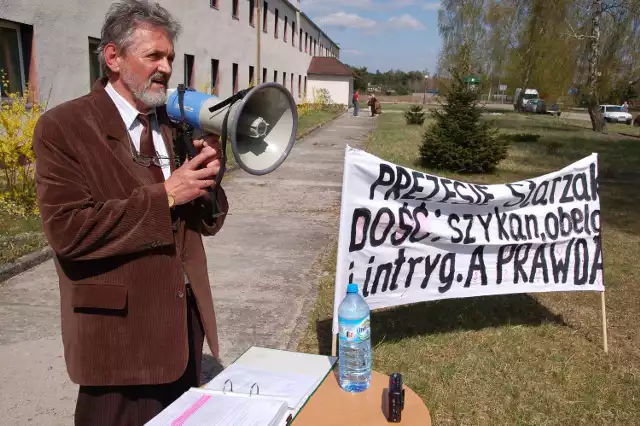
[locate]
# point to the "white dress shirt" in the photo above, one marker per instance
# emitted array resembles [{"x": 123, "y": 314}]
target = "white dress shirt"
[{"x": 129, "y": 115}]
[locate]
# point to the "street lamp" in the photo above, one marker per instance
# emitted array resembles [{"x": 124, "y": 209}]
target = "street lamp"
[{"x": 424, "y": 97}]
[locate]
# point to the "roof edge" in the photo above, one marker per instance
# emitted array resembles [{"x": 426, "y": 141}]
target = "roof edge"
[{"x": 294, "y": 7}]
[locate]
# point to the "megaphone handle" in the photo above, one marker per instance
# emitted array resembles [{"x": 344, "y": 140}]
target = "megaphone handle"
[{"x": 191, "y": 151}]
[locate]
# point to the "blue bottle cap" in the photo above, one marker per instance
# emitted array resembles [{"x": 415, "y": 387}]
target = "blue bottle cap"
[{"x": 352, "y": 288}]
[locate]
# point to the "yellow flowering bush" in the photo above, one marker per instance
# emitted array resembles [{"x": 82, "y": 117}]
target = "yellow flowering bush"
[
  {"x": 321, "y": 101},
  {"x": 18, "y": 119}
]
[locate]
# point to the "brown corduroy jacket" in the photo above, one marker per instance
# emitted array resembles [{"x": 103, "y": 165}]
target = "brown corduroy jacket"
[{"x": 121, "y": 254}]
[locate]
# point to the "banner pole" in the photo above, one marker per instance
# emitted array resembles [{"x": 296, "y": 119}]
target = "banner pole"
[{"x": 605, "y": 343}]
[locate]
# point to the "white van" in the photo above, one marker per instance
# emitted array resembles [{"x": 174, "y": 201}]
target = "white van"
[{"x": 528, "y": 94}]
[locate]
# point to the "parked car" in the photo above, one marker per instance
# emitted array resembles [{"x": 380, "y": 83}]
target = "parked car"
[
  {"x": 537, "y": 106},
  {"x": 615, "y": 114}
]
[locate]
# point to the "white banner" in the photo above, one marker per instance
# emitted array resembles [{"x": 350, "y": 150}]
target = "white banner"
[{"x": 407, "y": 236}]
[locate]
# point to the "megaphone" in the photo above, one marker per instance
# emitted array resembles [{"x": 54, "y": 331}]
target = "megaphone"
[{"x": 261, "y": 122}]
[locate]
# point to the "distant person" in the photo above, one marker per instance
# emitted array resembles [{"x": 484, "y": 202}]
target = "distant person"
[
  {"x": 625, "y": 106},
  {"x": 374, "y": 105},
  {"x": 354, "y": 100}
]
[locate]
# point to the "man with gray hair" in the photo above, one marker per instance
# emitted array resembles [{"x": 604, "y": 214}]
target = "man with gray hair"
[{"x": 125, "y": 223}]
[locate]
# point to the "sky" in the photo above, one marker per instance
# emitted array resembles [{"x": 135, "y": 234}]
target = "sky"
[{"x": 381, "y": 34}]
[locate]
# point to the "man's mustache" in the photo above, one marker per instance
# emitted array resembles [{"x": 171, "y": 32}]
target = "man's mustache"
[{"x": 158, "y": 78}]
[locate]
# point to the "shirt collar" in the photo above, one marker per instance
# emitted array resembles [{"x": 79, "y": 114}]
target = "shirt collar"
[{"x": 128, "y": 112}]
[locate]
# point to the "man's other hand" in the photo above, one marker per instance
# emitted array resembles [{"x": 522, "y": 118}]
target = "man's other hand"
[
  {"x": 212, "y": 141},
  {"x": 191, "y": 180}
]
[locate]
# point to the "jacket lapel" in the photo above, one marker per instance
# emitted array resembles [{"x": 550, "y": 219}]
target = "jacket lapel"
[{"x": 118, "y": 136}]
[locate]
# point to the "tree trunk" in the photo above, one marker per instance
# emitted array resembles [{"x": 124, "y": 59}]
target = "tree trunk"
[
  {"x": 525, "y": 84},
  {"x": 597, "y": 118}
]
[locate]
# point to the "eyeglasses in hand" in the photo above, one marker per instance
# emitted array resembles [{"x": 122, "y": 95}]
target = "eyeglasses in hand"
[{"x": 145, "y": 160}]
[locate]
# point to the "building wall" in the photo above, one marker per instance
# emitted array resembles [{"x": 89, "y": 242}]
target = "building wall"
[
  {"x": 339, "y": 87},
  {"x": 62, "y": 28}
]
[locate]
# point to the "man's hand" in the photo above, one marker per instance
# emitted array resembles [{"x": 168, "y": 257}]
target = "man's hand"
[
  {"x": 191, "y": 181},
  {"x": 212, "y": 141}
]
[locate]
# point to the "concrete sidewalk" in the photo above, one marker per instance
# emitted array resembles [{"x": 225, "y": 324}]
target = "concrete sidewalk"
[{"x": 260, "y": 266}]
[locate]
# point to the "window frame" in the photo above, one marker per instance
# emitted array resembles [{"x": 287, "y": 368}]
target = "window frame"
[
  {"x": 215, "y": 77},
  {"x": 191, "y": 75},
  {"x": 235, "y": 9},
  {"x": 286, "y": 28},
  {"x": 94, "y": 41},
  {"x": 15, "y": 26},
  {"x": 265, "y": 16},
  {"x": 235, "y": 76}
]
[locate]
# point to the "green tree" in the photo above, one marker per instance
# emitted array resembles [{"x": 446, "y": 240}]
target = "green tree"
[{"x": 459, "y": 140}]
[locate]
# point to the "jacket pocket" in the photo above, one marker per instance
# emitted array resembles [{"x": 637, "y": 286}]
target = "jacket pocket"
[{"x": 98, "y": 296}]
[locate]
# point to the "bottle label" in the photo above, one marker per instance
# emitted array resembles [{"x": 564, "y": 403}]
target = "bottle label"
[{"x": 355, "y": 331}]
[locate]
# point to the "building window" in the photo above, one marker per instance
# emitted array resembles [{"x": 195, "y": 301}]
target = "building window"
[
  {"x": 315, "y": 47},
  {"x": 275, "y": 76},
  {"x": 234, "y": 81},
  {"x": 300, "y": 43},
  {"x": 264, "y": 16},
  {"x": 264, "y": 75},
  {"x": 284, "y": 79},
  {"x": 251, "y": 76},
  {"x": 215, "y": 76},
  {"x": 189, "y": 77},
  {"x": 234, "y": 9},
  {"x": 305, "y": 86},
  {"x": 306, "y": 42},
  {"x": 252, "y": 11},
  {"x": 286, "y": 28},
  {"x": 275, "y": 24},
  {"x": 95, "y": 70},
  {"x": 11, "y": 59},
  {"x": 213, "y": 4},
  {"x": 293, "y": 34},
  {"x": 291, "y": 84},
  {"x": 299, "y": 85}
]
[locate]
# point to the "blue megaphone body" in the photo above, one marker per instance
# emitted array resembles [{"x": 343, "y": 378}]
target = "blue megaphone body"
[{"x": 261, "y": 122}]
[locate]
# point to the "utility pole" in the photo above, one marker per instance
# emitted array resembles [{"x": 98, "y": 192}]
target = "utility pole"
[{"x": 258, "y": 72}]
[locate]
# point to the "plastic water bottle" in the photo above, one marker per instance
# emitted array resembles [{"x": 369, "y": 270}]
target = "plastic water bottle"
[{"x": 355, "y": 342}]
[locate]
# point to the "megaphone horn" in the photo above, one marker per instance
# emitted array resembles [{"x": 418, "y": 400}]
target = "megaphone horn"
[{"x": 261, "y": 122}]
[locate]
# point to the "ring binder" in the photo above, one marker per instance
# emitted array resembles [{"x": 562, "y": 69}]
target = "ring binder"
[{"x": 251, "y": 390}]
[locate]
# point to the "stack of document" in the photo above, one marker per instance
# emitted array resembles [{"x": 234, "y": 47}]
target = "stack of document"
[
  {"x": 264, "y": 387},
  {"x": 199, "y": 407},
  {"x": 292, "y": 387}
]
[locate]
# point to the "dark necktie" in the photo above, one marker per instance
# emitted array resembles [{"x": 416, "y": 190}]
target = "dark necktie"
[{"x": 147, "y": 147}]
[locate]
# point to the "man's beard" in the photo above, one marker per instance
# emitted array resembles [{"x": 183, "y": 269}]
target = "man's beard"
[{"x": 141, "y": 91}]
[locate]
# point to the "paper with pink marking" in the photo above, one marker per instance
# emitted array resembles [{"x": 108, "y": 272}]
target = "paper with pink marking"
[{"x": 199, "y": 407}]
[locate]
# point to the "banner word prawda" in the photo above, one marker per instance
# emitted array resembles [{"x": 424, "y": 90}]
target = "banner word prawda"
[{"x": 407, "y": 236}]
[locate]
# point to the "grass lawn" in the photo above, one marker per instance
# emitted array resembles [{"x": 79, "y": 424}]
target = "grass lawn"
[
  {"x": 305, "y": 123},
  {"x": 19, "y": 236},
  {"x": 528, "y": 359},
  {"x": 308, "y": 121}
]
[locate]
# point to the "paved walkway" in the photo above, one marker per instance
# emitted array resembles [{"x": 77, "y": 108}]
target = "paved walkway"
[{"x": 260, "y": 267}]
